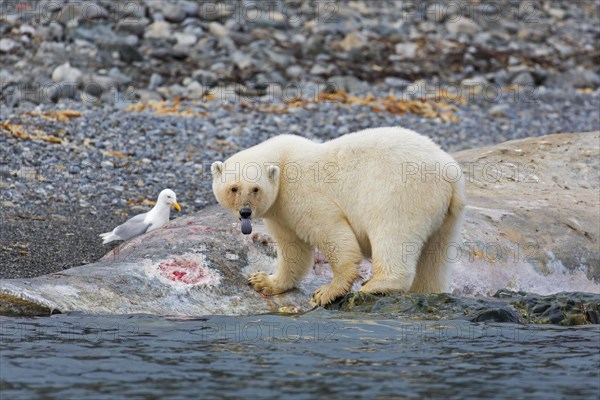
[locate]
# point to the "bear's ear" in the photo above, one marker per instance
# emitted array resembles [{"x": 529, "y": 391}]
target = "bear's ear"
[
  {"x": 273, "y": 173},
  {"x": 216, "y": 168}
]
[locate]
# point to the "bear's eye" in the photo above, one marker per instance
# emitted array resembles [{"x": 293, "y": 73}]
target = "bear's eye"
[
  {"x": 255, "y": 190},
  {"x": 234, "y": 189}
]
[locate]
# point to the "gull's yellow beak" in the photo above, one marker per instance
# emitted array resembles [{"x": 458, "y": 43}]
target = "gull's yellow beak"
[{"x": 177, "y": 206}]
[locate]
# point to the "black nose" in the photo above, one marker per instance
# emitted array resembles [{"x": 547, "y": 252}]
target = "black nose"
[{"x": 245, "y": 213}]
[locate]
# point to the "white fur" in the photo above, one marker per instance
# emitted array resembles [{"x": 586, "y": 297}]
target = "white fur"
[{"x": 365, "y": 194}]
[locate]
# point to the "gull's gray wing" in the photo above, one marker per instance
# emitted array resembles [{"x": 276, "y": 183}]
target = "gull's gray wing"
[{"x": 132, "y": 227}]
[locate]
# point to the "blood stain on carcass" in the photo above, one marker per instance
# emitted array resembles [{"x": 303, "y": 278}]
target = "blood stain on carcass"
[{"x": 184, "y": 271}]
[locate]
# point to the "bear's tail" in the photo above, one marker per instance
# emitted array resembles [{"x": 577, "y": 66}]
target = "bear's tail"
[{"x": 442, "y": 247}]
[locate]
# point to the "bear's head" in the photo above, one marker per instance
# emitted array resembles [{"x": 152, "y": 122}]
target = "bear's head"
[{"x": 248, "y": 190}]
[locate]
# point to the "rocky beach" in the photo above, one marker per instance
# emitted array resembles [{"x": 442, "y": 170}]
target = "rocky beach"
[{"x": 104, "y": 103}]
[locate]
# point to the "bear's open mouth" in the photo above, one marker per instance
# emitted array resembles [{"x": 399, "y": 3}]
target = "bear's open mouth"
[{"x": 246, "y": 226}]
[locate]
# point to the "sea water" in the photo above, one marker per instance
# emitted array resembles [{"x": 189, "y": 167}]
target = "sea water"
[{"x": 322, "y": 354}]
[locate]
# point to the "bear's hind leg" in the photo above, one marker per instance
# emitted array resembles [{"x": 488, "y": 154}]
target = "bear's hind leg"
[
  {"x": 394, "y": 266},
  {"x": 344, "y": 255}
]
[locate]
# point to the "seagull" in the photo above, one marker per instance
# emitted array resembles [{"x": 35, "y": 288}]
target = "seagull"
[{"x": 146, "y": 222}]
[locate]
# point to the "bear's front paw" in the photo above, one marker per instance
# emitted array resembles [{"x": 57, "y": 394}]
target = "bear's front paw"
[
  {"x": 326, "y": 294},
  {"x": 263, "y": 283}
]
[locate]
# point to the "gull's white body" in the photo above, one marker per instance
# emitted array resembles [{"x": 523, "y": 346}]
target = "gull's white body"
[{"x": 146, "y": 222}]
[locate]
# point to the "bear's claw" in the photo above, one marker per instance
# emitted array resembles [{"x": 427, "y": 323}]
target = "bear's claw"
[
  {"x": 263, "y": 283},
  {"x": 326, "y": 294}
]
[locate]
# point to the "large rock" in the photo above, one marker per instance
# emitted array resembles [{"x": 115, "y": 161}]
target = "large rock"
[{"x": 531, "y": 224}]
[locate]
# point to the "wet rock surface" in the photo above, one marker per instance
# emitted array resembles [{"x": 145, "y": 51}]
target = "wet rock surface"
[{"x": 505, "y": 306}]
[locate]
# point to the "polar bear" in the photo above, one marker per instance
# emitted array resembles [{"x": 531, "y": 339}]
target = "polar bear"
[{"x": 388, "y": 194}]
